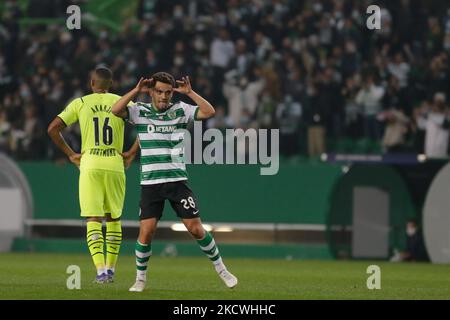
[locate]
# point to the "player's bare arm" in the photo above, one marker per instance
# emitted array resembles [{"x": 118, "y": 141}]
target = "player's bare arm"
[
  {"x": 54, "y": 131},
  {"x": 119, "y": 108},
  {"x": 128, "y": 156},
  {"x": 206, "y": 110}
]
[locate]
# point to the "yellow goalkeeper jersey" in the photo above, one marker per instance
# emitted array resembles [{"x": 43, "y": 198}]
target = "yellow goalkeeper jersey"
[{"x": 102, "y": 133}]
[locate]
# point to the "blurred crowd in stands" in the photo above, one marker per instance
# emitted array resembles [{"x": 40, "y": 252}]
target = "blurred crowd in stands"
[{"x": 310, "y": 68}]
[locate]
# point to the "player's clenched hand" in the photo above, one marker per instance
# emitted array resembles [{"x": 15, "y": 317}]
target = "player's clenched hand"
[
  {"x": 128, "y": 158},
  {"x": 184, "y": 86},
  {"x": 143, "y": 84},
  {"x": 75, "y": 159}
]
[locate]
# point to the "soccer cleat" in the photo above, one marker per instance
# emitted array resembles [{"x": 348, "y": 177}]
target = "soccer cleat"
[
  {"x": 230, "y": 280},
  {"x": 102, "y": 278},
  {"x": 110, "y": 275},
  {"x": 138, "y": 286}
]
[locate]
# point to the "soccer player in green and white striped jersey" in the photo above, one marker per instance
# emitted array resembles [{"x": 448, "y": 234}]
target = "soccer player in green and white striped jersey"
[{"x": 162, "y": 178}]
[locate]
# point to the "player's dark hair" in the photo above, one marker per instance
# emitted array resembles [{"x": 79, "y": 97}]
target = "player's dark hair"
[
  {"x": 103, "y": 73},
  {"x": 103, "y": 77},
  {"x": 163, "y": 77}
]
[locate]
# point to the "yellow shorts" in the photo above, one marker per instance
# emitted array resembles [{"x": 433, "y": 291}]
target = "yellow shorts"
[{"x": 101, "y": 191}]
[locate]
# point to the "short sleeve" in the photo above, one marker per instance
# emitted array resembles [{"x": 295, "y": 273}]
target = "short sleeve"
[
  {"x": 70, "y": 114},
  {"x": 133, "y": 112},
  {"x": 190, "y": 111}
]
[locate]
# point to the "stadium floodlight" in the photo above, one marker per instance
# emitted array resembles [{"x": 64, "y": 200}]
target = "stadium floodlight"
[
  {"x": 223, "y": 229},
  {"x": 178, "y": 227},
  {"x": 421, "y": 158},
  {"x": 182, "y": 227}
]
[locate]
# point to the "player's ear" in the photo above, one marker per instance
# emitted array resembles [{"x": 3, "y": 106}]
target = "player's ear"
[{"x": 151, "y": 85}]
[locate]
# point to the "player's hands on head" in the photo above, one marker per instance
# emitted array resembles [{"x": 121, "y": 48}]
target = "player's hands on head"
[
  {"x": 144, "y": 84},
  {"x": 184, "y": 86},
  {"x": 128, "y": 158},
  {"x": 75, "y": 159}
]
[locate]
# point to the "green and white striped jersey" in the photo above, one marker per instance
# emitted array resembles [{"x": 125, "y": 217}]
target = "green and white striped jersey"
[{"x": 160, "y": 144}]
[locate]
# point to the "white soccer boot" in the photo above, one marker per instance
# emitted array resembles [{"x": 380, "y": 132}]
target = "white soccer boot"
[
  {"x": 230, "y": 280},
  {"x": 138, "y": 286}
]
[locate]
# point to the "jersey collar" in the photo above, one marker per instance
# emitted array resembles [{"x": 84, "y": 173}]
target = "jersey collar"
[{"x": 153, "y": 108}]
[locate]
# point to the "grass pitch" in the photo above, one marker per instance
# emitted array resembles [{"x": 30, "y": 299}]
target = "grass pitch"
[{"x": 43, "y": 276}]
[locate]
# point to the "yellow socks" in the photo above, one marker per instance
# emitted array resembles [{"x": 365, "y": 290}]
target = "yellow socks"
[
  {"x": 95, "y": 243},
  {"x": 113, "y": 241}
]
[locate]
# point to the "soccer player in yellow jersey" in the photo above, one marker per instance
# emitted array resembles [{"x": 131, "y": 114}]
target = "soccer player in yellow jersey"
[{"x": 101, "y": 163}]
